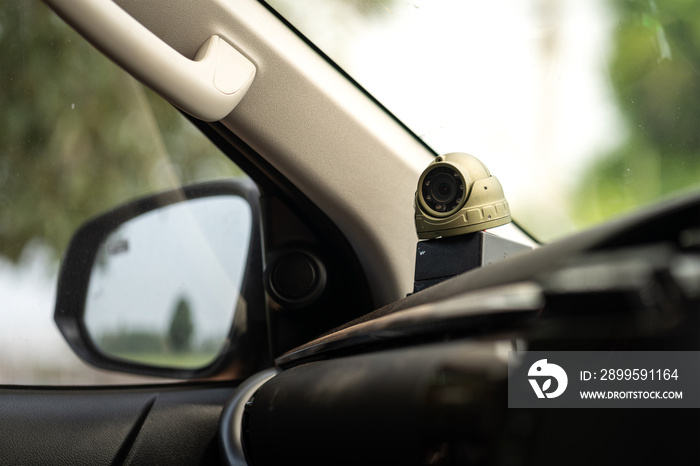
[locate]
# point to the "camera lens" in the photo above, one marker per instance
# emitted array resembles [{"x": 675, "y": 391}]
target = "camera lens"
[{"x": 443, "y": 189}]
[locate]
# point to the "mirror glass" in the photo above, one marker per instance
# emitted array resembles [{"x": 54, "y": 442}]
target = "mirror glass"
[{"x": 165, "y": 285}]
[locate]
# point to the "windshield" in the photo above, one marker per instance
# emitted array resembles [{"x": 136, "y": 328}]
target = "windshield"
[{"x": 583, "y": 110}]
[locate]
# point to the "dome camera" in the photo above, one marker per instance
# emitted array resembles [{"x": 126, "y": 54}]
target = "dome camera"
[{"x": 457, "y": 195}]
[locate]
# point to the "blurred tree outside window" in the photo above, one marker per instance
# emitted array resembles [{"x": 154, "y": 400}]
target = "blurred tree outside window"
[
  {"x": 655, "y": 71},
  {"x": 181, "y": 327},
  {"x": 78, "y": 136}
]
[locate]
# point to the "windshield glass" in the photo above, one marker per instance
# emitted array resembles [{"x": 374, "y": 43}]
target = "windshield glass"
[{"x": 583, "y": 110}]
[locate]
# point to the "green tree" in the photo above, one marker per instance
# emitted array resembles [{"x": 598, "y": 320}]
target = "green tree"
[
  {"x": 78, "y": 135},
  {"x": 654, "y": 71},
  {"x": 125, "y": 342},
  {"x": 181, "y": 327}
]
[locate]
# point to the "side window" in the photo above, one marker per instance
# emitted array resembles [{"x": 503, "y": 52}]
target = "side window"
[{"x": 78, "y": 136}]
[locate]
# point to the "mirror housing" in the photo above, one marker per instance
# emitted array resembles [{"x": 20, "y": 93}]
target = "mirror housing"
[{"x": 244, "y": 346}]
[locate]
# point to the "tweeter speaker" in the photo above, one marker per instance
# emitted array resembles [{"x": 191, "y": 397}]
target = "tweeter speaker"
[{"x": 295, "y": 278}]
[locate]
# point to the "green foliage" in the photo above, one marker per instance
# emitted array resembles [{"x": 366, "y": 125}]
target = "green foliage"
[
  {"x": 78, "y": 135},
  {"x": 654, "y": 69},
  {"x": 150, "y": 347},
  {"x": 181, "y": 328},
  {"x": 131, "y": 341},
  {"x": 193, "y": 360}
]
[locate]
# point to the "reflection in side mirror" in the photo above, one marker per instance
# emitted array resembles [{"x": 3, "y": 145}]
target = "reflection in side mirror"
[
  {"x": 169, "y": 285},
  {"x": 165, "y": 285}
]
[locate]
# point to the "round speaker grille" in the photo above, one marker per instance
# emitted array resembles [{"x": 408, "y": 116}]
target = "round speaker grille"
[
  {"x": 295, "y": 278},
  {"x": 294, "y": 275}
]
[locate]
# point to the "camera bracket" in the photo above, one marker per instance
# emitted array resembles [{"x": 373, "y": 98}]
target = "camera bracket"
[{"x": 442, "y": 258}]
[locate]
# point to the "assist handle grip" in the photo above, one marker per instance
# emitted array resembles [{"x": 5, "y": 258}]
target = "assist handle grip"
[{"x": 208, "y": 87}]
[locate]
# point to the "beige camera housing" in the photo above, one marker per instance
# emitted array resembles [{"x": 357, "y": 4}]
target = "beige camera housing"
[{"x": 457, "y": 195}]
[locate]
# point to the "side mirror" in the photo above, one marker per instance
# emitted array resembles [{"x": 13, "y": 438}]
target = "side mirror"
[{"x": 169, "y": 285}]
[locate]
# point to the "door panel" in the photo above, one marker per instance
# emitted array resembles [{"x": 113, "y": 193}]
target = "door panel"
[{"x": 173, "y": 424}]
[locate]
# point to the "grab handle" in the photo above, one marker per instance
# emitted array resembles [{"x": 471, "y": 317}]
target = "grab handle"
[{"x": 208, "y": 87}]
